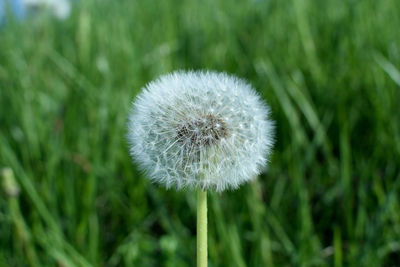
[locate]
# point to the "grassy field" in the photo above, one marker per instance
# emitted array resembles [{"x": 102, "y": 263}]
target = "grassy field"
[{"x": 330, "y": 71}]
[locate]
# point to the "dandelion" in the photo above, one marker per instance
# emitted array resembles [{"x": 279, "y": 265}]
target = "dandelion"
[{"x": 200, "y": 130}]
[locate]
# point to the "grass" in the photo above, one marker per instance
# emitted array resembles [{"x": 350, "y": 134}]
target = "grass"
[{"x": 330, "y": 71}]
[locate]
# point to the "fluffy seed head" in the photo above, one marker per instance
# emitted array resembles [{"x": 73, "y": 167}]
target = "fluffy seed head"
[{"x": 200, "y": 129}]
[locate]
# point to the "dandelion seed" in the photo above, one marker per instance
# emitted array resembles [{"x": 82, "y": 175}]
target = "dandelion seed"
[{"x": 200, "y": 130}]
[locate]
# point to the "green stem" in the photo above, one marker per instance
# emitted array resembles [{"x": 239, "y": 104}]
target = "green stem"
[{"x": 201, "y": 228}]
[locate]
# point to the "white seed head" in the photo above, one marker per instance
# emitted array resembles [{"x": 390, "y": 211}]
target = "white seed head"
[{"x": 200, "y": 129}]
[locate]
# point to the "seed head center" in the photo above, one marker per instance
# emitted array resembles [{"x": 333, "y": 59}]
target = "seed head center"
[{"x": 203, "y": 131}]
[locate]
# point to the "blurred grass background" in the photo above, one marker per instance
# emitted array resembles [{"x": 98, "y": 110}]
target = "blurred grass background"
[{"x": 330, "y": 71}]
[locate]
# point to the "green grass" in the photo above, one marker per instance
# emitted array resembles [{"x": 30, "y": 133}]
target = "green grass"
[{"x": 330, "y": 71}]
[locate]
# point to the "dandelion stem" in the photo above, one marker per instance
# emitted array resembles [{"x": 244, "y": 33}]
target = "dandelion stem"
[{"x": 201, "y": 228}]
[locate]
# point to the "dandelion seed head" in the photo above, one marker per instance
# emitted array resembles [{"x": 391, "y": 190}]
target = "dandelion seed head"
[{"x": 200, "y": 129}]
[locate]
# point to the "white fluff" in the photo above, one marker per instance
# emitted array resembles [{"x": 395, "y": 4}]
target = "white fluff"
[{"x": 200, "y": 129}]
